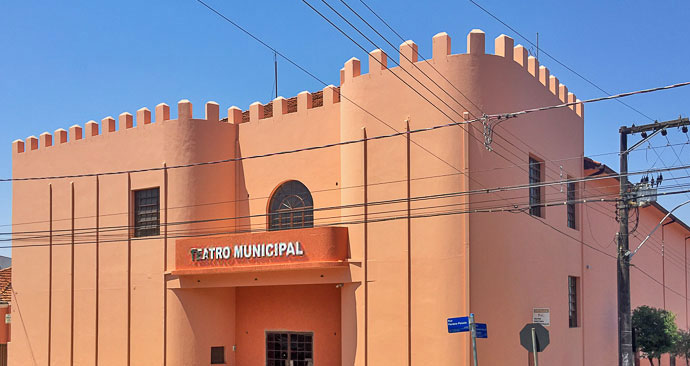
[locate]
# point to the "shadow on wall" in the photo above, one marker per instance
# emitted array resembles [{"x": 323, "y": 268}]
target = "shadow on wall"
[{"x": 242, "y": 205}]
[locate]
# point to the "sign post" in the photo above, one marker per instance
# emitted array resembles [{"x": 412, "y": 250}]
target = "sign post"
[
  {"x": 534, "y": 347},
  {"x": 473, "y": 330},
  {"x": 534, "y": 338},
  {"x": 467, "y": 324}
]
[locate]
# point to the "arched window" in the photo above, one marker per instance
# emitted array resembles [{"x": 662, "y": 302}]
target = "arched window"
[{"x": 291, "y": 207}]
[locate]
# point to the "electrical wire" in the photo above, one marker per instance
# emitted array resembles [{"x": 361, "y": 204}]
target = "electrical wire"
[
  {"x": 556, "y": 60},
  {"x": 431, "y": 65},
  {"x": 663, "y": 163},
  {"x": 433, "y": 196},
  {"x": 393, "y": 60},
  {"x": 402, "y": 39},
  {"x": 319, "y": 209},
  {"x": 510, "y": 208},
  {"x": 372, "y": 184},
  {"x": 418, "y": 54},
  {"x": 592, "y": 100},
  {"x": 322, "y": 82}
]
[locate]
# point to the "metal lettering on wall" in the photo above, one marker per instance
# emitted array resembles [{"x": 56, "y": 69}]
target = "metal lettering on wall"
[{"x": 247, "y": 251}]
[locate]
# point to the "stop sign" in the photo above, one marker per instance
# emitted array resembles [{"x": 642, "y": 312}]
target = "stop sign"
[{"x": 542, "y": 337}]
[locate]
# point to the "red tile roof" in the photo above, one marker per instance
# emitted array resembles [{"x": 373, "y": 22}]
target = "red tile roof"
[{"x": 5, "y": 285}]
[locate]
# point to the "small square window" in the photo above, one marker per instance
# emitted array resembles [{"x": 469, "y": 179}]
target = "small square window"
[{"x": 217, "y": 355}]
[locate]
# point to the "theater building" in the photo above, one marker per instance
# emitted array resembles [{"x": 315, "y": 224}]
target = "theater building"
[{"x": 195, "y": 238}]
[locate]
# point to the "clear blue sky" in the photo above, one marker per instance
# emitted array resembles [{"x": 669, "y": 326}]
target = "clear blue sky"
[{"x": 72, "y": 61}]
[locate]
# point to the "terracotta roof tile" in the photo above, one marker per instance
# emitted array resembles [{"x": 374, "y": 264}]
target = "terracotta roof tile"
[{"x": 6, "y": 285}]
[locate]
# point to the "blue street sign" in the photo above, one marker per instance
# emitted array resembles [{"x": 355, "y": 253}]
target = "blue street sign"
[
  {"x": 480, "y": 330},
  {"x": 461, "y": 324}
]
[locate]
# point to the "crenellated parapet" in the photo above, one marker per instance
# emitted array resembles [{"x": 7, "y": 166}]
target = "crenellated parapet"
[
  {"x": 503, "y": 47},
  {"x": 327, "y": 97},
  {"x": 108, "y": 125},
  {"x": 378, "y": 65},
  {"x": 280, "y": 106}
]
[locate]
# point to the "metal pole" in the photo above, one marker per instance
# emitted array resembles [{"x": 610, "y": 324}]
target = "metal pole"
[
  {"x": 625, "y": 357},
  {"x": 534, "y": 347},
  {"x": 275, "y": 71},
  {"x": 473, "y": 331}
]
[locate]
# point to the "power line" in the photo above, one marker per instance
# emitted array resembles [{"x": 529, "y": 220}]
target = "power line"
[
  {"x": 543, "y": 222},
  {"x": 593, "y": 100},
  {"x": 321, "y": 81},
  {"x": 393, "y": 60},
  {"x": 664, "y": 164},
  {"x": 509, "y": 208},
  {"x": 417, "y": 67},
  {"x": 398, "y": 77},
  {"x": 493, "y": 190},
  {"x": 484, "y": 120},
  {"x": 431, "y": 65},
  {"x": 556, "y": 60},
  {"x": 468, "y": 171},
  {"x": 319, "y": 209},
  {"x": 341, "y": 143}
]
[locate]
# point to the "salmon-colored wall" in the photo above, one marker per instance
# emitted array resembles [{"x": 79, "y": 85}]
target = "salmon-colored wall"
[
  {"x": 600, "y": 318},
  {"x": 305, "y": 308},
  {"x": 200, "y": 319},
  {"x": 515, "y": 257},
  {"x": 407, "y": 297}
]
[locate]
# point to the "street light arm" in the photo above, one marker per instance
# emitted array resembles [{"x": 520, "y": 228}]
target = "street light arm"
[
  {"x": 630, "y": 255},
  {"x": 641, "y": 142}
]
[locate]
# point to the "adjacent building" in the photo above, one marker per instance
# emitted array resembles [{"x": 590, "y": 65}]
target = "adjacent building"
[{"x": 293, "y": 233}]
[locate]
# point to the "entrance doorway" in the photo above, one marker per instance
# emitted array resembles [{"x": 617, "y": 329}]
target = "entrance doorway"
[{"x": 289, "y": 349}]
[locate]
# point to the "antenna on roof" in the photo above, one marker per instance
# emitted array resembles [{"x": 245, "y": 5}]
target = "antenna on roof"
[{"x": 275, "y": 67}]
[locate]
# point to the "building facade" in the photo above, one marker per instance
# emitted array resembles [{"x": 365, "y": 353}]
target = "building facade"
[{"x": 232, "y": 240}]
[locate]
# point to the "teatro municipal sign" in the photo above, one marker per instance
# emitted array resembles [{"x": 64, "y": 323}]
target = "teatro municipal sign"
[
  {"x": 239, "y": 251},
  {"x": 284, "y": 249}
]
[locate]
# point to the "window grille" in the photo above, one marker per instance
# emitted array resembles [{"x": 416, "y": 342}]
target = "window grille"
[
  {"x": 146, "y": 212},
  {"x": 535, "y": 207},
  {"x": 572, "y": 301},
  {"x": 289, "y": 349},
  {"x": 572, "y": 223},
  {"x": 291, "y": 207}
]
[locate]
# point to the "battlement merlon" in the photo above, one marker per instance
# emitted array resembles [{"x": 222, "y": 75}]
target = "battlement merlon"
[{"x": 441, "y": 48}]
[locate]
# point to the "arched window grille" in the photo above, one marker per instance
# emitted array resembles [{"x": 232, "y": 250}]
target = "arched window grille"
[{"x": 291, "y": 207}]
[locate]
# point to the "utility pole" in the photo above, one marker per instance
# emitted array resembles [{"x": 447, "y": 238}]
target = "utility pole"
[
  {"x": 626, "y": 353},
  {"x": 626, "y": 356}
]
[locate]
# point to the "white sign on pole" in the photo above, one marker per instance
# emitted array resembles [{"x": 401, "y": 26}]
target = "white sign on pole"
[{"x": 541, "y": 316}]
